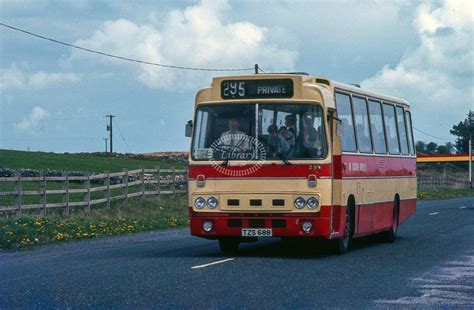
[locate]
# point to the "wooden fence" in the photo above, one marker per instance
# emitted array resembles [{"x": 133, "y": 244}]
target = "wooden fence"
[{"x": 30, "y": 193}]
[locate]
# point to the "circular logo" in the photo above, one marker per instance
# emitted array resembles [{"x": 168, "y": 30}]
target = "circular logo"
[{"x": 247, "y": 150}]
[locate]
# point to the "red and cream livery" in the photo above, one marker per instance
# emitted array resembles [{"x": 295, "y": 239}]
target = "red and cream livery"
[{"x": 293, "y": 155}]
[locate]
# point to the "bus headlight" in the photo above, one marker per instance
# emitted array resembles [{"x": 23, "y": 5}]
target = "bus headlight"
[
  {"x": 300, "y": 202},
  {"x": 212, "y": 203},
  {"x": 313, "y": 203},
  {"x": 200, "y": 202}
]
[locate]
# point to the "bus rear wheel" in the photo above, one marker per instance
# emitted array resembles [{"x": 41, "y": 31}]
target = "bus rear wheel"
[
  {"x": 390, "y": 235},
  {"x": 341, "y": 245},
  {"x": 229, "y": 246}
]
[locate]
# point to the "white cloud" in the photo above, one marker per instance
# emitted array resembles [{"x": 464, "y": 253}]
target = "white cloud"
[
  {"x": 33, "y": 120},
  {"x": 437, "y": 77},
  {"x": 198, "y": 36},
  {"x": 16, "y": 78}
]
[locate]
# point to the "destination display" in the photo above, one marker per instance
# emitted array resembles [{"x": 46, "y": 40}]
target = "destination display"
[{"x": 255, "y": 89}]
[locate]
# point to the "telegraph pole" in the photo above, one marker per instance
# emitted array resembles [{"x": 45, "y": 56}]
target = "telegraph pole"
[
  {"x": 110, "y": 130},
  {"x": 105, "y": 139}
]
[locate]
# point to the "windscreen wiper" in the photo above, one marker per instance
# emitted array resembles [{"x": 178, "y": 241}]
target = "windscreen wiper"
[{"x": 284, "y": 159}]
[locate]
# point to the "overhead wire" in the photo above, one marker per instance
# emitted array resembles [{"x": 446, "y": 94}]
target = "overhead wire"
[
  {"x": 57, "y": 119},
  {"x": 121, "y": 135},
  {"x": 122, "y": 57},
  {"x": 432, "y": 135}
]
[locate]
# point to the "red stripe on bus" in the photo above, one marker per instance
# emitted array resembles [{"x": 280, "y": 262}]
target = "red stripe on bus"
[
  {"x": 345, "y": 166},
  {"x": 265, "y": 171}
]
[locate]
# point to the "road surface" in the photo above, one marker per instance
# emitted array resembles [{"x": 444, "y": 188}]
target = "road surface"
[{"x": 430, "y": 264}]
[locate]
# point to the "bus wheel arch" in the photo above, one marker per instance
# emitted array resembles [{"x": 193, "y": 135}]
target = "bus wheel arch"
[
  {"x": 390, "y": 235},
  {"x": 342, "y": 244}
]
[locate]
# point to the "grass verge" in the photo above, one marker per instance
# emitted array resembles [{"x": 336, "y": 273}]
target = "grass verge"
[
  {"x": 444, "y": 193},
  {"x": 122, "y": 218}
]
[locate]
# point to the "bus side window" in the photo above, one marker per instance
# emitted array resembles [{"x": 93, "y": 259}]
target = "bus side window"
[
  {"x": 376, "y": 124},
  {"x": 362, "y": 124},
  {"x": 344, "y": 113},
  {"x": 409, "y": 133},
  {"x": 402, "y": 133},
  {"x": 391, "y": 128}
]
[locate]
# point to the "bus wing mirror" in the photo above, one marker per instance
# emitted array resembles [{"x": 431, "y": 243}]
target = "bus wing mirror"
[{"x": 188, "y": 129}]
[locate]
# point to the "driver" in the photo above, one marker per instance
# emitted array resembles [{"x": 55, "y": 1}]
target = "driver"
[{"x": 233, "y": 137}]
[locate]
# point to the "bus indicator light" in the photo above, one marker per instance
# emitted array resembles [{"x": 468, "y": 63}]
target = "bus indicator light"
[{"x": 200, "y": 181}]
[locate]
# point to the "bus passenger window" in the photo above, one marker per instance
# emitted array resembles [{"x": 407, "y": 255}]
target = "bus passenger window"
[
  {"x": 362, "y": 125},
  {"x": 376, "y": 125},
  {"x": 391, "y": 128},
  {"x": 402, "y": 133},
  {"x": 344, "y": 113},
  {"x": 409, "y": 133}
]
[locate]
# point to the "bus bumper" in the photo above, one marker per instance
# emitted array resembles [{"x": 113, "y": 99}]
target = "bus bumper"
[{"x": 282, "y": 225}]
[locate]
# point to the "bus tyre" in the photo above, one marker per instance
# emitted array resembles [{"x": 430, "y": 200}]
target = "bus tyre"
[
  {"x": 341, "y": 245},
  {"x": 229, "y": 246},
  {"x": 390, "y": 235}
]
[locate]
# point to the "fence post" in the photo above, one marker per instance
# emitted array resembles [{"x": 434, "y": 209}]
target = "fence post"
[
  {"x": 125, "y": 180},
  {"x": 157, "y": 184},
  {"x": 42, "y": 189},
  {"x": 87, "y": 194},
  {"x": 173, "y": 184},
  {"x": 107, "y": 191},
  {"x": 18, "y": 196},
  {"x": 66, "y": 194},
  {"x": 185, "y": 180},
  {"x": 142, "y": 185}
]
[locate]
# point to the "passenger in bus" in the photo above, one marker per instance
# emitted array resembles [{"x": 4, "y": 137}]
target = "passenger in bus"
[
  {"x": 310, "y": 139},
  {"x": 288, "y": 132},
  {"x": 276, "y": 144},
  {"x": 233, "y": 137}
]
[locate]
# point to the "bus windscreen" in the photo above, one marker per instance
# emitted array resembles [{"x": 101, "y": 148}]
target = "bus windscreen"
[{"x": 233, "y": 132}]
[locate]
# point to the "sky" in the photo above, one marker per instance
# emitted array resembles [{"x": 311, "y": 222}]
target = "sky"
[{"x": 54, "y": 98}]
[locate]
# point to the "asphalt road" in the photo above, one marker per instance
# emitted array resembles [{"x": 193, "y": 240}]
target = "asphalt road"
[{"x": 430, "y": 264}]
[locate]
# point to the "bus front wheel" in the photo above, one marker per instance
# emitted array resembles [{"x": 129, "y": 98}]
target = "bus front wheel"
[
  {"x": 229, "y": 246},
  {"x": 341, "y": 245}
]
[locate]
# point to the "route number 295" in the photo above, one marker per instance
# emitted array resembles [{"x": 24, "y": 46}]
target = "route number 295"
[{"x": 233, "y": 89}]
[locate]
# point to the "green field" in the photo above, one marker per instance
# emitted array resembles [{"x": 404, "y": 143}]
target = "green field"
[{"x": 77, "y": 162}]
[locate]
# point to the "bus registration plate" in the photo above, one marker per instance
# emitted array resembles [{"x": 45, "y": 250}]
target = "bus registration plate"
[{"x": 254, "y": 232}]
